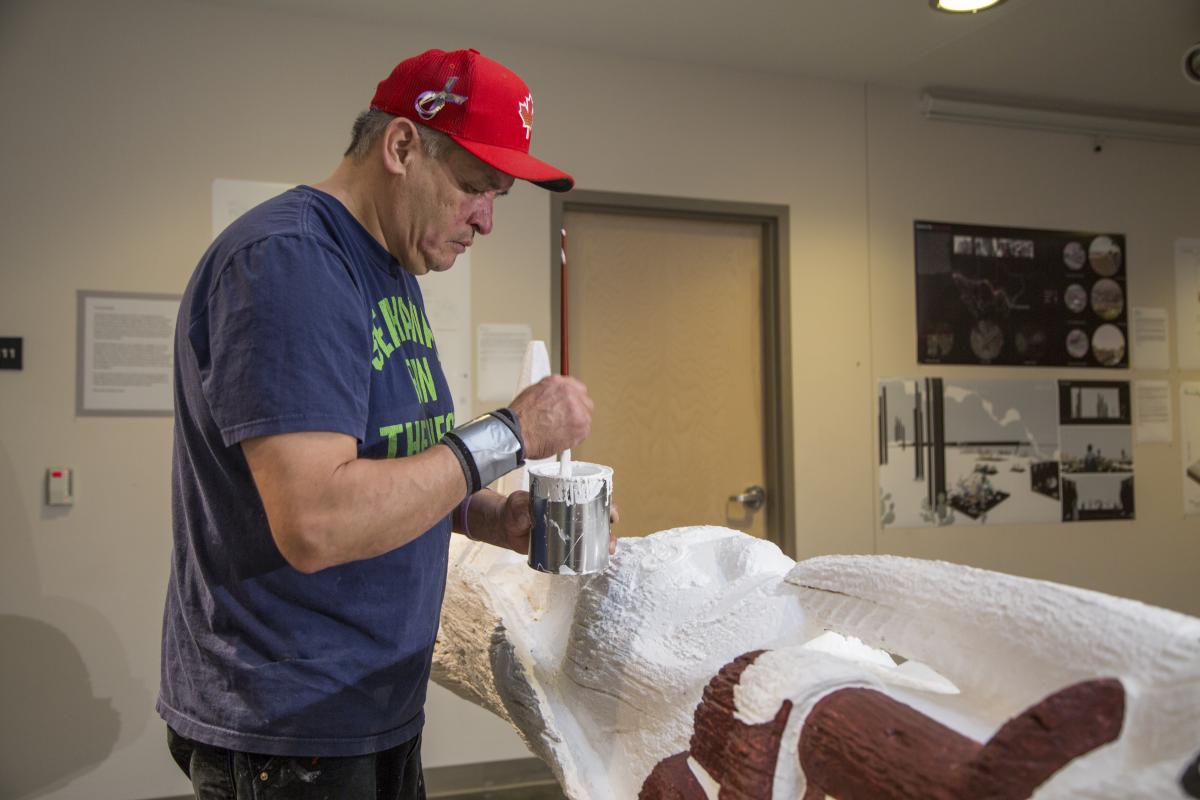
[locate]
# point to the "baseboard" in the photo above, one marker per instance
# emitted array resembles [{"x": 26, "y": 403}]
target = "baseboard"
[
  {"x": 517, "y": 777},
  {"x": 466, "y": 780}
]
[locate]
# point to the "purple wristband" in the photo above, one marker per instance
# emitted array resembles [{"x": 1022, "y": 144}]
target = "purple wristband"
[{"x": 466, "y": 527}]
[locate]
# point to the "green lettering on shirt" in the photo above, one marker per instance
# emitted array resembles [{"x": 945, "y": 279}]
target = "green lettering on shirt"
[
  {"x": 422, "y": 378},
  {"x": 391, "y": 432},
  {"x": 419, "y": 434},
  {"x": 388, "y": 306}
]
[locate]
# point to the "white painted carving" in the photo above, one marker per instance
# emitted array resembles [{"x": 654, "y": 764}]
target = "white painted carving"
[{"x": 601, "y": 674}]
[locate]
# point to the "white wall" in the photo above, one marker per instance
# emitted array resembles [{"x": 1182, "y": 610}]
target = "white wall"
[{"x": 118, "y": 115}]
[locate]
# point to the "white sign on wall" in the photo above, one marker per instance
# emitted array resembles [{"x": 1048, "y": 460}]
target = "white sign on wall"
[
  {"x": 125, "y": 354},
  {"x": 1189, "y": 424},
  {"x": 501, "y": 352},
  {"x": 1187, "y": 300},
  {"x": 1149, "y": 336},
  {"x": 1152, "y": 405},
  {"x": 448, "y": 305},
  {"x": 231, "y": 199}
]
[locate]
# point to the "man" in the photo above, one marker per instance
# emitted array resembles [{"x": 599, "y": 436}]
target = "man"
[{"x": 319, "y": 466}]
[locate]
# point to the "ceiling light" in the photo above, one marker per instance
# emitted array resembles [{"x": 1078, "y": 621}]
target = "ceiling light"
[
  {"x": 963, "y": 6},
  {"x": 1191, "y": 63}
]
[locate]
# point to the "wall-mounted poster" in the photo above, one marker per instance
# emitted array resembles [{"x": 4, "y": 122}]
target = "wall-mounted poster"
[
  {"x": 1013, "y": 296},
  {"x": 1189, "y": 424},
  {"x": 970, "y": 452}
]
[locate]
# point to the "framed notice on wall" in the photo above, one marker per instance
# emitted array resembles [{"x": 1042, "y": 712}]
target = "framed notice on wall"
[
  {"x": 1020, "y": 296},
  {"x": 125, "y": 354}
]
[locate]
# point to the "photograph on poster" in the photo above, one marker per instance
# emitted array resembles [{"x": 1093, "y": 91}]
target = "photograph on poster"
[
  {"x": 958, "y": 452},
  {"x": 963, "y": 452},
  {"x": 1189, "y": 424},
  {"x": 1096, "y": 443},
  {"x": 1094, "y": 403},
  {"x": 1008, "y": 296},
  {"x": 1097, "y": 472}
]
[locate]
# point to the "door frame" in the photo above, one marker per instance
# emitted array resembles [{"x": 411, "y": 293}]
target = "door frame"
[{"x": 773, "y": 221}]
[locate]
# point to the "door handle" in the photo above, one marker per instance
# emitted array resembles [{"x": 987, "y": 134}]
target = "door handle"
[{"x": 754, "y": 498}]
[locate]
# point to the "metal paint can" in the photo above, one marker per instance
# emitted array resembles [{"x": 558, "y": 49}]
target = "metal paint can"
[{"x": 570, "y": 518}]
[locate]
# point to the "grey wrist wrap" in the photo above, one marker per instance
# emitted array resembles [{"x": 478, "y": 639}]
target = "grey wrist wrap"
[{"x": 487, "y": 447}]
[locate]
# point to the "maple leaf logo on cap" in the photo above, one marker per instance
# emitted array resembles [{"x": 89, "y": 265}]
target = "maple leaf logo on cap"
[{"x": 525, "y": 110}]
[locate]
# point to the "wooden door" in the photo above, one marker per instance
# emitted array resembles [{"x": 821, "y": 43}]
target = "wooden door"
[{"x": 665, "y": 326}]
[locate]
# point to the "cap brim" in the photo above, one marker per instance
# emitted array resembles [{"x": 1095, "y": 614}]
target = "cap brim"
[{"x": 519, "y": 165}]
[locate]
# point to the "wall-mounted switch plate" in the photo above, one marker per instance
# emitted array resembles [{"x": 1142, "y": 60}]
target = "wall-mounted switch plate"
[
  {"x": 60, "y": 486},
  {"x": 10, "y": 352}
]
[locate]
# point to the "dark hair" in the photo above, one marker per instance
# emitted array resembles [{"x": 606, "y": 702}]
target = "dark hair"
[{"x": 370, "y": 124}]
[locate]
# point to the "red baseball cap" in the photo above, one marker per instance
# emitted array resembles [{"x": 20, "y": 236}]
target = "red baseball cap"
[{"x": 477, "y": 102}]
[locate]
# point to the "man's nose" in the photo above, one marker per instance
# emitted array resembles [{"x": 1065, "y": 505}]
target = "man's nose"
[{"x": 481, "y": 215}]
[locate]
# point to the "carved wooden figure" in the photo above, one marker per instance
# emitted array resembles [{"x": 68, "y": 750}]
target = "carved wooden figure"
[{"x": 704, "y": 663}]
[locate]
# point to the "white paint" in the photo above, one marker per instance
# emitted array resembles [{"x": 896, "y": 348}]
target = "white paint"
[
  {"x": 851, "y": 648},
  {"x": 1007, "y": 642},
  {"x": 578, "y": 482},
  {"x": 601, "y": 675},
  {"x": 712, "y": 789},
  {"x": 796, "y": 673},
  {"x": 789, "y": 780},
  {"x": 910, "y": 674},
  {"x": 588, "y": 677}
]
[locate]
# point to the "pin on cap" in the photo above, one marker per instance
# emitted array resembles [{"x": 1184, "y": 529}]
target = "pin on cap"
[{"x": 479, "y": 103}]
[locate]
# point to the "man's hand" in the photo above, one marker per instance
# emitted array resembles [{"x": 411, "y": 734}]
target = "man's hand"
[
  {"x": 614, "y": 517},
  {"x": 555, "y": 414},
  {"x": 513, "y": 522}
]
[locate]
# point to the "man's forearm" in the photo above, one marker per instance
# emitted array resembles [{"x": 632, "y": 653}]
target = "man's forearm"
[
  {"x": 389, "y": 502},
  {"x": 327, "y": 507},
  {"x": 483, "y": 520}
]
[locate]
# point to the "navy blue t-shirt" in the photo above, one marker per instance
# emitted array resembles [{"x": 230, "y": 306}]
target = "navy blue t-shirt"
[{"x": 297, "y": 319}]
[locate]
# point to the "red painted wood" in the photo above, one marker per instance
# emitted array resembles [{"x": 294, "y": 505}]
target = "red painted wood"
[
  {"x": 564, "y": 364},
  {"x": 672, "y": 779},
  {"x": 740, "y": 757},
  {"x": 859, "y": 744},
  {"x": 814, "y": 792},
  {"x": 1031, "y": 747}
]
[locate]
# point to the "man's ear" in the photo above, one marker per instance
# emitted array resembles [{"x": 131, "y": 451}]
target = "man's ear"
[{"x": 400, "y": 142}]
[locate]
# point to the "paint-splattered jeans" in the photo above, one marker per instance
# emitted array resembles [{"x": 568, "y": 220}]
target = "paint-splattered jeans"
[{"x": 219, "y": 774}]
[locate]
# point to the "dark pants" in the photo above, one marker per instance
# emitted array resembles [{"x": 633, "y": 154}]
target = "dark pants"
[{"x": 219, "y": 774}]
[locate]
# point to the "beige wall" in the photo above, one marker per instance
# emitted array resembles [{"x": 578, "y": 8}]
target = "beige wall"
[
  {"x": 960, "y": 173},
  {"x": 118, "y": 116}
]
